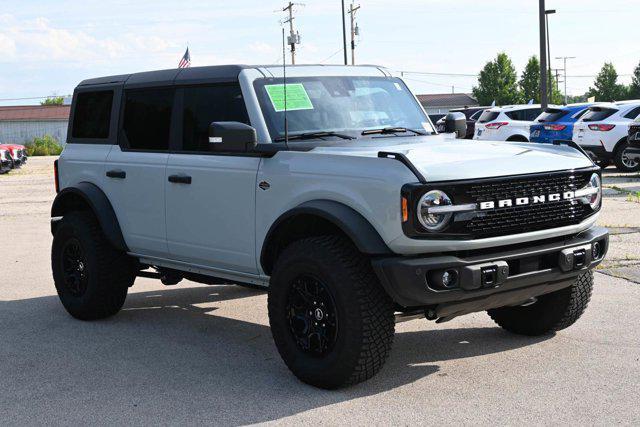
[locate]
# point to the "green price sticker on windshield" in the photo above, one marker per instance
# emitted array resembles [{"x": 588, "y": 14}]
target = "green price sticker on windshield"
[{"x": 297, "y": 97}]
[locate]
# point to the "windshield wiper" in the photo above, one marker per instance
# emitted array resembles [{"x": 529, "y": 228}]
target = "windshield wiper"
[
  {"x": 313, "y": 135},
  {"x": 388, "y": 130}
]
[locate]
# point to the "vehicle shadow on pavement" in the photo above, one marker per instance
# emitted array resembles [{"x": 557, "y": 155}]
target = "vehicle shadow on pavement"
[{"x": 168, "y": 357}]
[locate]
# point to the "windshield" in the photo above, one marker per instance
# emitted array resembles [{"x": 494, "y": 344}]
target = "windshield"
[
  {"x": 476, "y": 115},
  {"x": 345, "y": 105}
]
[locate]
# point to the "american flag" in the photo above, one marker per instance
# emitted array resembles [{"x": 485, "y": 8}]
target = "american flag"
[{"x": 185, "y": 62}]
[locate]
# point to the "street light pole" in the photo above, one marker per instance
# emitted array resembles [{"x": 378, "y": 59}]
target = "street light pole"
[
  {"x": 546, "y": 21},
  {"x": 344, "y": 35},
  {"x": 543, "y": 55}
]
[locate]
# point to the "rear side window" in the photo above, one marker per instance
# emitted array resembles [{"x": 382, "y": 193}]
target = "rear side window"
[
  {"x": 92, "y": 115},
  {"x": 527, "y": 115},
  {"x": 551, "y": 115},
  {"x": 488, "y": 116},
  {"x": 596, "y": 114},
  {"x": 633, "y": 113},
  {"x": 206, "y": 104},
  {"x": 147, "y": 118}
]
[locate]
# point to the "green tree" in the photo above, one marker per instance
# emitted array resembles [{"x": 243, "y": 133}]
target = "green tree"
[
  {"x": 498, "y": 82},
  {"x": 530, "y": 80},
  {"x": 53, "y": 100},
  {"x": 634, "y": 88},
  {"x": 530, "y": 84},
  {"x": 606, "y": 86}
]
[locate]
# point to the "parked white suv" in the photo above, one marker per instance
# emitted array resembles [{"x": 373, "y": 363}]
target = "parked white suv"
[
  {"x": 602, "y": 132},
  {"x": 508, "y": 123},
  {"x": 329, "y": 188}
]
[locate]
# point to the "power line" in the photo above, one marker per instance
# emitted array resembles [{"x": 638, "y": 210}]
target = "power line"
[
  {"x": 332, "y": 55},
  {"x": 34, "y": 97}
]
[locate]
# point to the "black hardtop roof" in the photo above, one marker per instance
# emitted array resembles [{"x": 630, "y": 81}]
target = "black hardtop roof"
[
  {"x": 191, "y": 75},
  {"x": 177, "y": 75}
]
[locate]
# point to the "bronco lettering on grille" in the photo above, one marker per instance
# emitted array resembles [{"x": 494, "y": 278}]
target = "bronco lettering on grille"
[{"x": 523, "y": 201}]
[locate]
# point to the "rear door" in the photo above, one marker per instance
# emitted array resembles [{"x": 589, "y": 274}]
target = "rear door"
[
  {"x": 210, "y": 196},
  {"x": 135, "y": 169}
]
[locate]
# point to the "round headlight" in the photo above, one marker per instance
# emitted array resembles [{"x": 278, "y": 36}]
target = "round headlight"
[
  {"x": 430, "y": 218},
  {"x": 594, "y": 198}
]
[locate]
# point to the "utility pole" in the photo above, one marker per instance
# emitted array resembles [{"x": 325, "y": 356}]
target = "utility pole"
[
  {"x": 564, "y": 59},
  {"x": 344, "y": 36},
  {"x": 294, "y": 36},
  {"x": 354, "y": 31},
  {"x": 543, "y": 55}
]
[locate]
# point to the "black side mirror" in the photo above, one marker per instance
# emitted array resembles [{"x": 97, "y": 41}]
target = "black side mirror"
[
  {"x": 234, "y": 137},
  {"x": 456, "y": 122}
]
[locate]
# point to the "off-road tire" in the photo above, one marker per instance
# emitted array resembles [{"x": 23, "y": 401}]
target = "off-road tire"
[
  {"x": 618, "y": 158},
  {"x": 109, "y": 272},
  {"x": 365, "y": 313},
  {"x": 550, "y": 313}
]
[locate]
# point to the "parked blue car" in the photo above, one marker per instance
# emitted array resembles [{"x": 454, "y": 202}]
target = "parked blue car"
[{"x": 556, "y": 123}]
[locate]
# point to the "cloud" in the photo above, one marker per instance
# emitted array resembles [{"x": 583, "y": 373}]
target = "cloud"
[{"x": 37, "y": 40}]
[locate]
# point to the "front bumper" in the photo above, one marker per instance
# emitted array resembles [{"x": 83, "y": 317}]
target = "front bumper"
[{"x": 489, "y": 278}]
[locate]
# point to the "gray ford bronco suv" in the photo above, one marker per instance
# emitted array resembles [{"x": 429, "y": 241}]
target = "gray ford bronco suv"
[{"x": 328, "y": 186}]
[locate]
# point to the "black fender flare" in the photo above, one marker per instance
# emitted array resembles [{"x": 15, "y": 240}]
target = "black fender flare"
[
  {"x": 355, "y": 226},
  {"x": 93, "y": 197}
]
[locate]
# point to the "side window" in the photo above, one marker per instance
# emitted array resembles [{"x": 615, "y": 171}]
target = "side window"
[
  {"x": 92, "y": 115},
  {"x": 532, "y": 113},
  {"x": 206, "y": 104},
  {"x": 514, "y": 115},
  {"x": 633, "y": 113},
  {"x": 147, "y": 118},
  {"x": 511, "y": 115}
]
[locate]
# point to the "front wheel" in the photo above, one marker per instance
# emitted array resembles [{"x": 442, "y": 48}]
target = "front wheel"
[
  {"x": 331, "y": 321},
  {"x": 92, "y": 278},
  {"x": 551, "y": 312},
  {"x": 622, "y": 161}
]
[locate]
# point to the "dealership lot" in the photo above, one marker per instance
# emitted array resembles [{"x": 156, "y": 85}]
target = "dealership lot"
[{"x": 194, "y": 353}]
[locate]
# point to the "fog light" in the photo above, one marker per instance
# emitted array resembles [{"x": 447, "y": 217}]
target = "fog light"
[
  {"x": 449, "y": 278},
  {"x": 596, "y": 250}
]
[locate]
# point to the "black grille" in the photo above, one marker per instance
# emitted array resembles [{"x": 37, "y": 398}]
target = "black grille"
[{"x": 531, "y": 217}]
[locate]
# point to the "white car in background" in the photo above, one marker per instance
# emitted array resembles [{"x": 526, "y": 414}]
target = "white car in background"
[
  {"x": 602, "y": 132},
  {"x": 508, "y": 123}
]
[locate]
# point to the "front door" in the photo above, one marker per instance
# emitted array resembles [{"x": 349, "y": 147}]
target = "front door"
[{"x": 210, "y": 198}]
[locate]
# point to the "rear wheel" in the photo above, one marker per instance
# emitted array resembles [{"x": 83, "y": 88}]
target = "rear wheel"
[
  {"x": 331, "y": 320},
  {"x": 622, "y": 160},
  {"x": 91, "y": 277},
  {"x": 551, "y": 312}
]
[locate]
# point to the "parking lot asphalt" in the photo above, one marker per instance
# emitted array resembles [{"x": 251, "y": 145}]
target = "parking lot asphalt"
[{"x": 204, "y": 354}]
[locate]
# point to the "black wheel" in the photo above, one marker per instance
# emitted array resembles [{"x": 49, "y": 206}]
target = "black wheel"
[
  {"x": 91, "y": 277},
  {"x": 622, "y": 160},
  {"x": 331, "y": 321},
  {"x": 550, "y": 313}
]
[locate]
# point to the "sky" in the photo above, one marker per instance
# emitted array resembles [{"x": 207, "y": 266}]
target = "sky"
[{"x": 48, "y": 46}]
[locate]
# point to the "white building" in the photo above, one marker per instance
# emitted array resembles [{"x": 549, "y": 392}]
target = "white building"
[{"x": 22, "y": 123}]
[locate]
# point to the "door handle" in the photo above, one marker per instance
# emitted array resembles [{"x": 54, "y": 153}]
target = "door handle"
[
  {"x": 180, "y": 179},
  {"x": 117, "y": 174}
]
